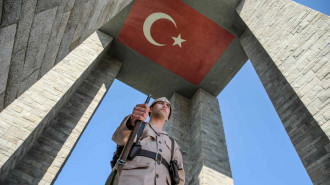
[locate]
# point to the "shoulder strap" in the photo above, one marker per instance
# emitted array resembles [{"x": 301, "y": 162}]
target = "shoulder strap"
[
  {"x": 172, "y": 149},
  {"x": 138, "y": 135}
]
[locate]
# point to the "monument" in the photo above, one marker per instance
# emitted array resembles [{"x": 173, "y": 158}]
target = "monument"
[{"x": 59, "y": 58}]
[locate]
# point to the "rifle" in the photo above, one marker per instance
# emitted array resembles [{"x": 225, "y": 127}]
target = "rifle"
[{"x": 113, "y": 178}]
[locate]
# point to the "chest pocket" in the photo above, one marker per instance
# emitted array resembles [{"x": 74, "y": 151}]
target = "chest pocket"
[{"x": 147, "y": 135}]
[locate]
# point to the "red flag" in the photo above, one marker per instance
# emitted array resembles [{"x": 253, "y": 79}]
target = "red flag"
[{"x": 176, "y": 36}]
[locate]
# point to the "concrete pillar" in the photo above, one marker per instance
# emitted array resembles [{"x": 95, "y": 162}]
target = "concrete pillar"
[
  {"x": 45, "y": 159},
  {"x": 208, "y": 149},
  {"x": 23, "y": 122},
  {"x": 288, "y": 45},
  {"x": 198, "y": 128},
  {"x": 36, "y": 35},
  {"x": 178, "y": 127}
]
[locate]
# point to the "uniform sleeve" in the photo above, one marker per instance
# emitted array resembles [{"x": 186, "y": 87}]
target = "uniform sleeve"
[
  {"x": 122, "y": 133},
  {"x": 177, "y": 156}
]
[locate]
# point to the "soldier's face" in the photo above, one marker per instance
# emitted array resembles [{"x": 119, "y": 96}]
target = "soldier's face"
[{"x": 161, "y": 109}]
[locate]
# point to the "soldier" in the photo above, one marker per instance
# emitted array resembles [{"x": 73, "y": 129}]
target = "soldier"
[{"x": 143, "y": 170}]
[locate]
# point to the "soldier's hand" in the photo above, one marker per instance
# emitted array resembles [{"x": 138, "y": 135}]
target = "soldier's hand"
[{"x": 140, "y": 112}]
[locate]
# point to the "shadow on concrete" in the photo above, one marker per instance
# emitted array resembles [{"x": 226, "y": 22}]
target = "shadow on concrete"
[
  {"x": 309, "y": 139},
  {"x": 41, "y": 157}
]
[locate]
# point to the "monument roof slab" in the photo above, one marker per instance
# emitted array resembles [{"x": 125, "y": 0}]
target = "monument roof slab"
[{"x": 153, "y": 65}]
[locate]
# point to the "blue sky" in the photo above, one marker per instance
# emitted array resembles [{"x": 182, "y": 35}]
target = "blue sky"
[{"x": 259, "y": 148}]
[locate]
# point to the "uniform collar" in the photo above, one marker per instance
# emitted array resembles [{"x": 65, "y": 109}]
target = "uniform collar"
[{"x": 157, "y": 130}]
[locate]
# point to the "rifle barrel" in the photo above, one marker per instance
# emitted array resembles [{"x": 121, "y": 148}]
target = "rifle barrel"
[{"x": 130, "y": 142}]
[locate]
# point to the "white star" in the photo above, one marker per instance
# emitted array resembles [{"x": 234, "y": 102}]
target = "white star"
[{"x": 178, "y": 40}]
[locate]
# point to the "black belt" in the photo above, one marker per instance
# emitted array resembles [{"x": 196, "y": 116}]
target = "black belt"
[{"x": 158, "y": 157}]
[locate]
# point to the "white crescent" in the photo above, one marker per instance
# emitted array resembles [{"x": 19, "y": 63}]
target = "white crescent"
[{"x": 148, "y": 23}]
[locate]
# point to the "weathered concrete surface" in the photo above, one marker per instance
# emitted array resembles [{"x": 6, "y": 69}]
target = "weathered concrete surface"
[
  {"x": 22, "y": 122},
  {"x": 196, "y": 124},
  {"x": 7, "y": 36},
  {"x": 1, "y": 9},
  {"x": 297, "y": 40},
  {"x": 208, "y": 147},
  {"x": 81, "y": 26},
  {"x": 19, "y": 50},
  {"x": 65, "y": 45},
  {"x": 44, "y": 35},
  {"x": 309, "y": 139},
  {"x": 2, "y": 97},
  {"x": 10, "y": 12},
  {"x": 73, "y": 35},
  {"x": 45, "y": 159},
  {"x": 47, "y": 4},
  {"x": 72, "y": 22},
  {"x": 288, "y": 45},
  {"x": 40, "y": 31},
  {"x": 224, "y": 69},
  {"x": 54, "y": 40}
]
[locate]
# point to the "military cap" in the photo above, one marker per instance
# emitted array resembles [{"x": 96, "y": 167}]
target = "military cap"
[{"x": 164, "y": 99}]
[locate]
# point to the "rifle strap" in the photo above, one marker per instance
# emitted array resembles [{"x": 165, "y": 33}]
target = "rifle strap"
[
  {"x": 138, "y": 135},
  {"x": 172, "y": 148}
]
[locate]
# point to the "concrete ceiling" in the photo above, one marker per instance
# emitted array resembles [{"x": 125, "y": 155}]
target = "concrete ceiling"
[{"x": 150, "y": 77}]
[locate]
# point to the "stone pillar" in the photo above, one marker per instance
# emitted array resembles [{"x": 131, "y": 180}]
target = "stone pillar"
[
  {"x": 208, "y": 149},
  {"x": 198, "y": 128},
  {"x": 23, "y": 121},
  {"x": 288, "y": 46},
  {"x": 178, "y": 127},
  {"x": 45, "y": 159},
  {"x": 36, "y": 35}
]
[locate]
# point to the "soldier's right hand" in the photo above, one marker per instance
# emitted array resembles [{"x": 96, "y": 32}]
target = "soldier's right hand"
[{"x": 140, "y": 112}]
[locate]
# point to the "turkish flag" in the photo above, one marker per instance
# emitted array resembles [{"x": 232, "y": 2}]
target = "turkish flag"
[{"x": 176, "y": 36}]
